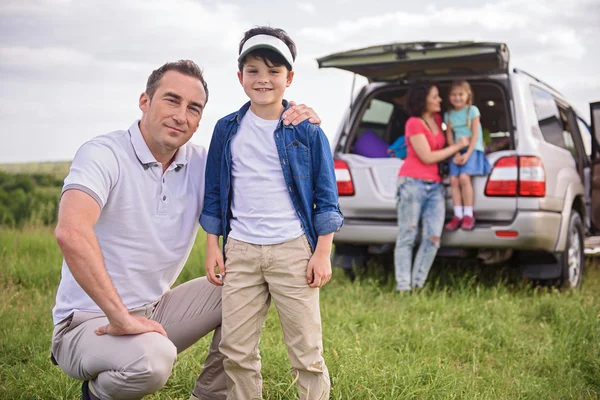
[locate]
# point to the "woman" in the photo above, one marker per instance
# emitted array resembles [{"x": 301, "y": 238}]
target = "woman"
[{"x": 420, "y": 189}]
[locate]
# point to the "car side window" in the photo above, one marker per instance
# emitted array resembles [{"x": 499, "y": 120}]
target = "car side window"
[
  {"x": 370, "y": 138},
  {"x": 549, "y": 118},
  {"x": 568, "y": 132},
  {"x": 379, "y": 112},
  {"x": 557, "y": 123},
  {"x": 586, "y": 136}
]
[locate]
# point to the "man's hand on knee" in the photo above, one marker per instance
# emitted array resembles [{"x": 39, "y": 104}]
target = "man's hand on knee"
[{"x": 131, "y": 325}]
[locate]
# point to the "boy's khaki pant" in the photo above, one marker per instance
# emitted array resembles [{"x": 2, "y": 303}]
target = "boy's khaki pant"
[
  {"x": 255, "y": 273},
  {"x": 130, "y": 367}
]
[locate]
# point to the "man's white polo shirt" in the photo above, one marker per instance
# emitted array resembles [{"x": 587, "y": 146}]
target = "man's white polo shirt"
[{"x": 148, "y": 220}]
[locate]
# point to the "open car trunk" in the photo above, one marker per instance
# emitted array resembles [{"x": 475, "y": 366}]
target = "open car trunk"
[
  {"x": 380, "y": 117},
  {"x": 395, "y": 61},
  {"x": 381, "y": 120}
]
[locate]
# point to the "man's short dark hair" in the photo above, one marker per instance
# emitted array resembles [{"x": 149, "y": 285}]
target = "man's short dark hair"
[
  {"x": 270, "y": 57},
  {"x": 416, "y": 98},
  {"x": 185, "y": 67}
]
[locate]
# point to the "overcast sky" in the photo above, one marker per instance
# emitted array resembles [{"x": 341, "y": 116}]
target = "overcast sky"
[{"x": 71, "y": 70}]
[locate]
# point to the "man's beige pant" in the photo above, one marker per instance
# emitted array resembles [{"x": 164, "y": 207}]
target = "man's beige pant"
[
  {"x": 255, "y": 273},
  {"x": 130, "y": 367}
]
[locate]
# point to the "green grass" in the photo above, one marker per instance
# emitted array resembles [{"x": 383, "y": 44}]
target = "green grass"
[
  {"x": 60, "y": 169},
  {"x": 467, "y": 336}
]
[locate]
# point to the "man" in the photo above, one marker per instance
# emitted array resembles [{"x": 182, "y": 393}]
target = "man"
[{"x": 127, "y": 222}]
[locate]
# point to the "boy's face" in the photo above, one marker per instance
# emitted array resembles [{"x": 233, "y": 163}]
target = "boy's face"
[{"x": 264, "y": 85}]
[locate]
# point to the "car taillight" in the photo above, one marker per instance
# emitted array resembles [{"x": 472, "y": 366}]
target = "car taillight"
[
  {"x": 343, "y": 178},
  {"x": 503, "y": 179},
  {"x": 532, "y": 177},
  {"x": 522, "y": 175}
]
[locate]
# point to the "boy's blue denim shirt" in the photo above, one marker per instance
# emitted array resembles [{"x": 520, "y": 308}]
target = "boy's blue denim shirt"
[{"x": 307, "y": 166}]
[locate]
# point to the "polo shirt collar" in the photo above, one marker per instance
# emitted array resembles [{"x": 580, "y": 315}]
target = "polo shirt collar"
[
  {"x": 144, "y": 154},
  {"x": 140, "y": 147},
  {"x": 180, "y": 159}
]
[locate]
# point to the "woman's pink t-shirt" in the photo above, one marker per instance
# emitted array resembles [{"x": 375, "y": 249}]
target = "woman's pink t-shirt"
[{"x": 413, "y": 167}]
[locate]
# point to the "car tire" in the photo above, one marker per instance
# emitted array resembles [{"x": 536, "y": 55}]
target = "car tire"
[{"x": 573, "y": 258}]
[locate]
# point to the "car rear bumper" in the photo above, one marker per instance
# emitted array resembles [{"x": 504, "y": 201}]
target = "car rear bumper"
[{"x": 535, "y": 230}]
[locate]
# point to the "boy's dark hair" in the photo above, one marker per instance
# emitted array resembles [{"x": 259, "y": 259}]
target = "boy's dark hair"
[
  {"x": 415, "y": 102},
  {"x": 270, "y": 57},
  {"x": 185, "y": 67}
]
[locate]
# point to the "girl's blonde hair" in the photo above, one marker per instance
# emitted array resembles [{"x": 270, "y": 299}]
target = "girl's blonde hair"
[{"x": 467, "y": 88}]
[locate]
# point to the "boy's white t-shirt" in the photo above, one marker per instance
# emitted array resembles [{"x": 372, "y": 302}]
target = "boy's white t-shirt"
[{"x": 261, "y": 206}]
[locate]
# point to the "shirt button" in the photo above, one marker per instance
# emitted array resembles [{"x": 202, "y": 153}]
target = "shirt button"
[
  {"x": 163, "y": 180},
  {"x": 227, "y": 186},
  {"x": 164, "y": 198}
]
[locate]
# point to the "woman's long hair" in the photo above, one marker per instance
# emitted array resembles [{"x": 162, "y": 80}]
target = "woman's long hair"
[{"x": 415, "y": 101}]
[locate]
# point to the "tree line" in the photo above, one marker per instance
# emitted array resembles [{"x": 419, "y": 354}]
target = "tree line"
[{"x": 29, "y": 198}]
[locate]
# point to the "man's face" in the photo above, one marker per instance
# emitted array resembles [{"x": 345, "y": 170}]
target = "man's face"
[{"x": 172, "y": 116}]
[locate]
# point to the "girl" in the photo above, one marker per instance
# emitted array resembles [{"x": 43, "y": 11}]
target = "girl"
[
  {"x": 420, "y": 188},
  {"x": 463, "y": 121}
]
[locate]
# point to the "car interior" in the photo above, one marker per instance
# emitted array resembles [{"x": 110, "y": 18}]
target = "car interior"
[{"x": 382, "y": 120}]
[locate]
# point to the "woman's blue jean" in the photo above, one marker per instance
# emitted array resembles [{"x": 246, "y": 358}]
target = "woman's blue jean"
[{"x": 420, "y": 204}]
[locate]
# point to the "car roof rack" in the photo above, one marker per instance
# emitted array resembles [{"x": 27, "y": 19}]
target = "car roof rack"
[{"x": 520, "y": 71}]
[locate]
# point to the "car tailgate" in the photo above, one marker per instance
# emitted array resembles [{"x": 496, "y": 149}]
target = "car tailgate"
[
  {"x": 393, "y": 61},
  {"x": 487, "y": 208},
  {"x": 374, "y": 181}
]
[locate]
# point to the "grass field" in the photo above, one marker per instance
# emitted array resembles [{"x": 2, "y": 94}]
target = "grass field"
[
  {"x": 469, "y": 335},
  {"x": 59, "y": 169}
]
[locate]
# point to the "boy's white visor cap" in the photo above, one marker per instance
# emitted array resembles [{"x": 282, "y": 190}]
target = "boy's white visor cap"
[{"x": 267, "y": 42}]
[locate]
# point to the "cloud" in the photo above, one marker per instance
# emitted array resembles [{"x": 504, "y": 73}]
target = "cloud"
[
  {"x": 73, "y": 70},
  {"x": 307, "y": 8},
  {"x": 421, "y": 25},
  {"x": 123, "y": 31},
  {"x": 526, "y": 25},
  {"x": 70, "y": 70},
  {"x": 21, "y": 56}
]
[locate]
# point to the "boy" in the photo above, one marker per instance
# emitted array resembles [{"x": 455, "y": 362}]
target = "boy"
[{"x": 271, "y": 192}]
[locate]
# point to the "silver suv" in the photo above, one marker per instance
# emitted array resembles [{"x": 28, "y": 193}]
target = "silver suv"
[{"x": 542, "y": 198}]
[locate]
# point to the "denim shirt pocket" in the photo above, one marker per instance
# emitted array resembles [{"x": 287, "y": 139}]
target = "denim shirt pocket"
[{"x": 299, "y": 158}]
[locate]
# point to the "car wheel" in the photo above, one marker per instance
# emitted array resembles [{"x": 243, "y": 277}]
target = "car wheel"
[{"x": 573, "y": 259}]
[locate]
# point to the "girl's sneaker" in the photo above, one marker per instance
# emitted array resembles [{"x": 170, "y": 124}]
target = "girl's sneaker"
[
  {"x": 468, "y": 223},
  {"x": 454, "y": 223}
]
